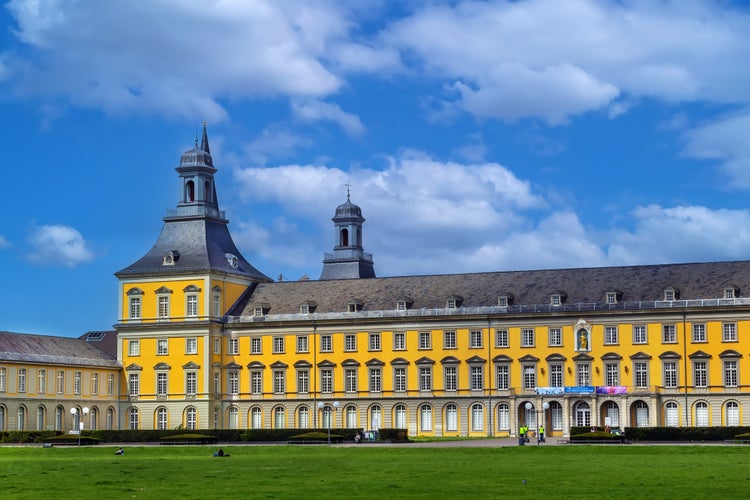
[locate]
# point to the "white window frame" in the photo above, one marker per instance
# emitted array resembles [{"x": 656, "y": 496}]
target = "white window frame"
[
  {"x": 191, "y": 345},
  {"x": 699, "y": 333},
  {"x": 501, "y": 337},
  {"x": 449, "y": 339},
  {"x": 475, "y": 339},
  {"x": 729, "y": 332},
  {"x": 554, "y": 337},
  {"x": 527, "y": 337}
]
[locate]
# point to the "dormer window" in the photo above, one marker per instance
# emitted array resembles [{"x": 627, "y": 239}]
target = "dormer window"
[
  {"x": 261, "y": 310},
  {"x": 612, "y": 297},
  {"x": 557, "y": 299},
  {"x": 671, "y": 294},
  {"x": 454, "y": 302},
  {"x": 404, "y": 303},
  {"x": 169, "y": 258},
  {"x": 307, "y": 307},
  {"x": 232, "y": 260},
  {"x": 354, "y": 305},
  {"x": 731, "y": 292},
  {"x": 505, "y": 300}
]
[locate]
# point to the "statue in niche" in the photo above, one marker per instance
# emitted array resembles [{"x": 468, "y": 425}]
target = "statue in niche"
[{"x": 583, "y": 340}]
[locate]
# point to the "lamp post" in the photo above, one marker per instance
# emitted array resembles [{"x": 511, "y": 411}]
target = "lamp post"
[
  {"x": 327, "y": 409},
  {"x": 74, "y": 412}
]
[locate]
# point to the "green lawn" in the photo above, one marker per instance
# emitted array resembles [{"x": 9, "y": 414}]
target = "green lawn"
[{"x": 376, "y": 472}]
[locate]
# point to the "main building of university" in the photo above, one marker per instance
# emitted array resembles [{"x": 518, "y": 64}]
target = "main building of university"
[{"x": 204, "y": 340}]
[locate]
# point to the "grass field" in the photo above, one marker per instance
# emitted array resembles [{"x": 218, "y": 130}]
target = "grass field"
[{"x": 376, "y": 472}]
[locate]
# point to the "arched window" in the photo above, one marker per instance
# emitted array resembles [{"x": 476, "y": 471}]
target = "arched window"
[
  {"x": 207, "y": 191},
  {"x": 351, "y": 416},
  {"x": 2, "y": 418},
  {"x": 234, "y": 417},
  {"x": 59, "y": 412},
  {"x": 279, "y": 420},
  {"x": 503, "y": 417},
  {"x": 40, "y": 413},
  {"x": 133, "y": 419},
  {"x": 94, "y": 419},
  {"x": 400, "y": 413},
  {"x": 344, "y": 237},
  {"x": 451, "y": 417},
  {"x": 701, "y": 414},
  {"x": 191, "y": 418},
  {"x": 189, "y": 191},
  {"x": 110, "y": 419},
  {"x": 612, "y": 415},
  {"x": 583, "y": 414},
  {"x": 556, "y": 416},
  {"x": 303, "y": 417},
  {"x": 425, "y": 418},
  {"x": 732, "y": 417},
  {"x": 21, "y": 424},
  {"x": 256, "y": 418},
  {"x": 641, "y": 414},
  {"x": 161, "y": 418},
  {"x": 671, "y": 416},
  {"x": 376, "y": 418},
  {"x": 477, "y": 417}
]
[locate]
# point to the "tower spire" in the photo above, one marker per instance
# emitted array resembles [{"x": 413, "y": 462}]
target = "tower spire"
[{"x": 204, "y": 140}]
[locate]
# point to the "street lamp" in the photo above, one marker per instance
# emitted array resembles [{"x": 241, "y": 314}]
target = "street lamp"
[
  {"x": 74, "y": 412},
  {"x": 327, "y": 409}
]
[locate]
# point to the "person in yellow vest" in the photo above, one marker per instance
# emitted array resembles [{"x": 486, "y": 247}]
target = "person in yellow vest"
[
  {"x": 540, "y": 436},
  {"x": 522, "y": 435}
]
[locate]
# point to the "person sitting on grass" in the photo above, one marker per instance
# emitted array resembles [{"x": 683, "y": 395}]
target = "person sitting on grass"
[
  {"x": 119, "y": 451},
  {"x": 220, "y": 453}
]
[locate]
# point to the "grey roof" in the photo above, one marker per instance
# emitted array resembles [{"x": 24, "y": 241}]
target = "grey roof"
[
  {"x": 104, "y": 340},
  {"x": 202, "y": 244},
  {"x": 28, "y": 348},
  {"x": 582, "y": 285}
]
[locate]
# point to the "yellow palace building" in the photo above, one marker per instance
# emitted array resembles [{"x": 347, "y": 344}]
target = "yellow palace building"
[{"x": 205, "y": 340}]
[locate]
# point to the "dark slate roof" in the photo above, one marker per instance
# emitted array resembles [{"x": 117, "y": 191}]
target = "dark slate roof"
[
  {"x": 28, "y": 348},
  {"x": 583, "y": 285},
  {"x": 202, "y": 244},
  {"x": 103, "y": 340}
]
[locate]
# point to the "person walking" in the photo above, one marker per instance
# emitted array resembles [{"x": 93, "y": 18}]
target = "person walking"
[
  {"x": 522, "y": 435},
  {"x": 540, "y": 436}
]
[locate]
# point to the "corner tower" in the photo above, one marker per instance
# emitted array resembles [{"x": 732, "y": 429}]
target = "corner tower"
[
  {"x": 348, "y": 260},
  {"x": 173, "y": 304}
]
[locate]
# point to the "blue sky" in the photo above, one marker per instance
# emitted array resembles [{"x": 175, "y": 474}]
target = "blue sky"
[{"x": 476, "y": 136}]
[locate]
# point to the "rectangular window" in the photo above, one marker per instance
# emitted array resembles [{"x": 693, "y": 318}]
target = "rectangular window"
[
  {"x": 376, "y": 380},
  {"x": 302, "y": 344},
  {"x": 279, "y": 382},
  {"x": 350, "y": 342},
  {"x": 134, "y": 384},
  {"x": 529, "y": 377},
  {"x": 3, "y": 374},
  {"x": 256, "y": 345},
  {"x": 77, "y": 382},
  {"x": 583, "y": 375},
  {"x": 163, "y": 307},
  {"x": 730, "y": 373},
  {"x": 191, "y": 346},
  {"x": 303, "y": 381},
  {"x": 477, "y": 378},
  {"x": 399, "y": 379},
  {"x": 134, "y": 348},
  {"x": 135, "y": 307},
  {"x": 161, "y": 347},
  {"x": 217, "y": 304},
  {"x": 451, "y": 378},
  {"x": 449, "y": 339},
  {"x": 256, "y": 382},
  {"x": 217, "y": 383},
  {"x": 610, "y": 335},
  {"x": 350, "y": 380},
  {"x": 94, "y": 384},
  {"x": 475, "y": 339},
  {"x": 640, "y": 371},
  {"x": 22, "y": 380},
  {"x": 527, "y": 337},
  {"x": 670, "y": 374},
  {"x": 699, "y": 333},
  {"x": 233, "y": 382},
  {"x": 501, "y": 338},
  {"x": 730, "y": 332},
  {"x": 425, "y": 340},
  {"x": 374, "y": 341},
  {"x": 192, "y": 305},
  {"x": 399, "y": 341},
  {"x": 326, "y": 381},
  {"x": 612, "y": 374},
  {"x": 700, "y": 374},
  {"x": 60, "y": 383},
  {"x": 326, "y": 344},
  {"x": 555, "y": 336},
  {"x": 41, "y": 386},
  {"x": 556, "y": 375},
  {"x": 639, "y": 334},
  {"x": 233, "y": 347},
  {"x": 669, "y": 334},
  {"x": 425, "y": 378},
  {"x": 191, "y": 383},
  {"x": 111, "y": 384},
  {"x": 161, "y": 384},
  {"x": 278, "y": 345},
  {"x": 503, "y": 377}
]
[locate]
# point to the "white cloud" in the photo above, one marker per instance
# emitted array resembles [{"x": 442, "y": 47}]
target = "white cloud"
[
  {"x": 58, "y": 245},
  {"x": 724, "y": 140},
  {"x": 275, "y": 142},
  {"x": 4, "y": 243},
  {"x": 314, "y": 110}
]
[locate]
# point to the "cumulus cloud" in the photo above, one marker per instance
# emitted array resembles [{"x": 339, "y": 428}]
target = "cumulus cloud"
[
  {"x": 314, "y": 110},
  {"x": 58, "y": 245}
]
